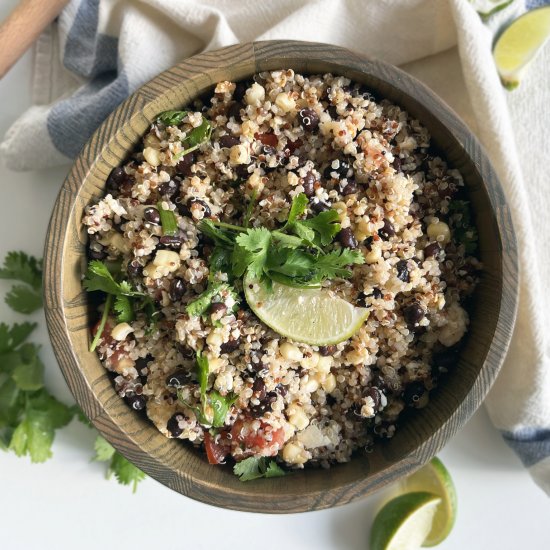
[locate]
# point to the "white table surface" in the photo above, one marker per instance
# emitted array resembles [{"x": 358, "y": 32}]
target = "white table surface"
[{"x": 65, "y": 503}]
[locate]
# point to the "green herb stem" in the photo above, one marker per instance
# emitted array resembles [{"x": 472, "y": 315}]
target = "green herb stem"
[
  {"x": 229, "y": 226},
  {"x": 249, "y": 209},
  {"x": 167, "y": 220},
  {"x": 101, "y": 328}
]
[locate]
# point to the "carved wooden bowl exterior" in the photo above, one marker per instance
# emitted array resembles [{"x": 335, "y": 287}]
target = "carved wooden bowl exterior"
[{"x": 177, "y": 464}]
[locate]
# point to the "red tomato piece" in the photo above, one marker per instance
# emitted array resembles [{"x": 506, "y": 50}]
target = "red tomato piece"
[
  {"x": 249, "y": 439},
  {"x": 217, "y": 447}
]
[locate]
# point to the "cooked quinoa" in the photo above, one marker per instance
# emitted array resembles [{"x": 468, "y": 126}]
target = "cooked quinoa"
[{"x": 401, "y": 206}]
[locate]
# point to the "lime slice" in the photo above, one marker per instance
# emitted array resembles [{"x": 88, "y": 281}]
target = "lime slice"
[
  {"x": 404, "y": 522},
  {"x": 310, "y": 315},
  {"x": 518, "y": 45},
  {"x": 435, "y": 479}
]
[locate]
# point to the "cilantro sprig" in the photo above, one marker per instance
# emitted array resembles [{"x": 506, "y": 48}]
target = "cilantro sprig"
[
  {"x": 292, "y": 255},
  {"x": 214, "y": 406},
  {"x": 256, "y": 467},
  {"x": 171, "y": 118},
  {"x": 461, "y": 222},
  {"x": 121, "y": 296},
  {"x": 27, "y": 297},
  {"x": 196, "y": 137},
  {"x": 29, "y": 414}
]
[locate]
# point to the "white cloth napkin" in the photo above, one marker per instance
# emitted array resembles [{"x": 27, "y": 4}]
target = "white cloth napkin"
[{"x": 101, "y": 50}]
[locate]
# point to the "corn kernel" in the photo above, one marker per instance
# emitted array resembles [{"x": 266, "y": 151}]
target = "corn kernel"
[
  {"x": 440, "y": 232},
  {"x": 152, "y": 156}
]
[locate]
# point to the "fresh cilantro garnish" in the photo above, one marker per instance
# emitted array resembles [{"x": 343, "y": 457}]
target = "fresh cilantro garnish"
[
  {"x": 461, "y": 222},
  {"x": 200, "y": 305},
  {"x": 167, "y": 220},
  {"x": 291, "y": 255},
  {"x": 255, "y": 468},
  {"x": 171, "y": 118},
  {"x": 214, "y": 406},
  {"x": 18, "y": 266},
  {"x": 29, "y": 415},
  {"x": 196, "y": 137},
  {"x": 249, "y": 209},
  {"x": 124, "y": 471},
  {"x": 121, "y": 295}
]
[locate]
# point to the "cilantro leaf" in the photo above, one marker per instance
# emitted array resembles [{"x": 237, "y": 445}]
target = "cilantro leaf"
[
  {"x": 125, "y": 472},
  {"x": 220, "y": 261},
  {"x": 335, "y": 264},
  {"x": 298, "y": 207},
  {"x": 35, "y": 433},
  {"x": 295, "y": 263},
  {"x": 103, "y": 450},
  {"x": 255, "y": 468},
  {"x": 199, "y": 135},
  {"x": 19, "y": 266},
  {"x": 461, "y": 223},
  {"x": 217, "y": 234},
  {"x": 11, "y": 337},
  {"x": 250, "y": 254},
  {"x": 171, "y": 118},
  {"x": 325, "y": 224},
  {"x": 220, "y": 405},
  {"x": 23, "y": 299},
  {"x": 200, "y": 305},
  {"x": 124, "y": 309},
  {"x": 29, "y": 373},
  {"x": 98, "y": 277}
]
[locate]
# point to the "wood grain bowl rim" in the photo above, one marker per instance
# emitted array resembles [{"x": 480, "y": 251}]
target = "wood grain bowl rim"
[{"x": 110, "y": 144}]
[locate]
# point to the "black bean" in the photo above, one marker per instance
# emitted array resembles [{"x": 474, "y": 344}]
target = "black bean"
[
  {"x": 142, "y": 364},
  {"x": 171, "y": 241},
  {"x": 281, "y": 390},
  {"x": 264, "y": 406},
  {"x": 259, "y": 388},
  {"x": 198, "y": 204},
  {"x": 413, "y": 313},
  {"x": 173, "y": 425},
  {"x": 134, "y": 269},
  {"x": 242, "y": 171},
  {"x": 309, "y": 119},
  {"x": 325, "y": 351},
  {"x": 402, "y": 268},
  {"x": 186, "y": 353},
  {"x": 240, "y": 90},
  {"x": 319, "y": 206},
  {"x": 374, "y": 394},
  {"x": 183, "y": 167},
  {"x": 116, "y": 178},
  {"x": 308, "y": 183},
  {"x": 229, "y": 141},
  {"x": 178, "y": 379},
  {"x": 235, "y": 111},
  {"x": 397, "y": 163},
  {"x": 231, "y": 345},
  {"x": 331, "y": 110},
  {"x": 169, "y": 188},
  {"x": 347, "y": 238},
  {"x": 218, "y": 308},
  {"x": 177, "y": 290},
  {"x": 386, "y": 231},
  {"x": 137, "y": 402},
  {"x": 433, "y": 249},
  {"x": 151, "y": 215},
  {"x": 377, "y": 293},
  {"x": 350, "y": 188},
  {"x": 413, "y": 392},
  {"x": 342, "y": 170}
]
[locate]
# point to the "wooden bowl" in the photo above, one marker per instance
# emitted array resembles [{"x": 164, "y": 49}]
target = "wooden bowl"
[{"x": 178, "y": 465}]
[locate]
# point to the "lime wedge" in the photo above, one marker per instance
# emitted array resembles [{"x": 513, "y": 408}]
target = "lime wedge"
[
  {"x": 309, "y": 315},
  {"x": 518, "y": 45},
  {"x": 404, "y": 522},
  {"x": 435, "y": 479}
]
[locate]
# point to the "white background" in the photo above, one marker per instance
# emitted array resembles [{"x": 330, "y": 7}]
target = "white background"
[{"x": 66, "y": 503}]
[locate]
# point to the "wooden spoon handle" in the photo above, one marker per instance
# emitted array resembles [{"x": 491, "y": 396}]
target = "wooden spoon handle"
[{"x": 22, "y": 28}]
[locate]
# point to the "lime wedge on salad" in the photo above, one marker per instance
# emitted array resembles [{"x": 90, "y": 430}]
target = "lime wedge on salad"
[
  {"x": 310, "y": 315},
  {"x": 518, "y": 45},
  {"x": 404, "y": 522}
]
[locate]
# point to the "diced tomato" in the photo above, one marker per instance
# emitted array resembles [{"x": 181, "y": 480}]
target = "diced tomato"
[
  {"x": 263, "y": 441},
  {"x": 217, "y": 447},
  {"x": 267, "y": 139}
]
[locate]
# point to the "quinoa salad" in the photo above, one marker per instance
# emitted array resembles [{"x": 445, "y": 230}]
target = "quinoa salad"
[{"x": 289, "y": 180}]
